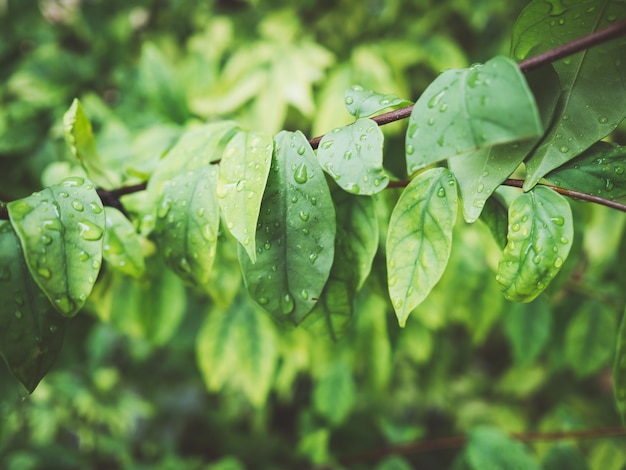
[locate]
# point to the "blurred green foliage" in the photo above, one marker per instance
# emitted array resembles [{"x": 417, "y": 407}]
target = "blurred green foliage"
[{"x": 155, "y": 375}]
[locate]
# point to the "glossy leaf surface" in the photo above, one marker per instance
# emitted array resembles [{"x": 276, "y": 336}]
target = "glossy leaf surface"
[
  {"x": 61, "y": 231},
  {"x": 467, "y": 109},
  {"x": 295, "y": 235},
  {"x": 121, "y": 249},
  {"x": 243, "y": 173},
  {"x": 362, "y": 103},
  {"x": 420, "y": 238},
  {"x": 353, "y": 156},
  {"x": 540, "y": 236},
  {"x": 31, "y": 330}
]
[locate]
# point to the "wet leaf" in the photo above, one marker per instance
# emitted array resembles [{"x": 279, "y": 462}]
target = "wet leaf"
[
  {"x": 619, "y": 370},
  {"x": 540, "y": 236},
  {"x": 121, "y": 249},
  {"x": 420, "y": 238},
  {"x": 362, "y": 103},
  {"x": 353, "y": 156},
  {"x": 31, "y": 331},
  {"x": 242, "y": 176},
  {"x": 61, "y": 231},
  {"x": 295, "y": 235},
  {"x": 468, "y": 109}
]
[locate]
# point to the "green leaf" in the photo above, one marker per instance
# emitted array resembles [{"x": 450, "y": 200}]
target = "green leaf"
[
  {"x": 80, "y": 139},
  {"x": 593, "y": 97},
  {"x": 496, "y": 217},
  {"x": 619, "y": 370},
  {"x": 420, "y": 238},
  {"x": 187, "y": 223},
  {"x": 589, "y": 339},
  {"x": 31, "y": 331},
  {"x": 528, "y": 328},
  {"x": 243, "y": 173},
  {"x": 362, "y": 103},
  {"x": 334, "y": 392},
  {"x": 539, "y": 239},
  {"x": 564, "y": 456},
  {"x": 353, "y": 156},
  {"x": 121, "y": 248},
  {"x": 488, "y": 448},
  {"x": 237, "y": 346},
  {"x": 61, "y": 231},
  {"x": 295, "y": 235},
  {"x": 467, "y": 109},
  {"x": 600, "y": 171}
]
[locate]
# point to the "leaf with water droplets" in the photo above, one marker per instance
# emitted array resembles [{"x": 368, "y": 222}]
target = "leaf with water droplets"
[
  {"x": 240, "y": 338},
  {"x": 295, "y": 234},
  {"x": 420, "y": 238},
  {"x": 467, "y": 109},
  {"x": 121, "y": 248},
  {"x": 619, "y": 369},
  {"x": 593, "y": 97},
  {"x": 353, "y": 156},
  {"x": 362, "y": 103},
  {"x": 600, "y": 170},
  {"x": 31, "y": 331},
  {"x": 82, "y": 143},
  {"x": 539, "y": 237},
  {"x": 242, "y": 177},
  {"x": 187, "y": 224},
  {"x": 61, "y": 230}
]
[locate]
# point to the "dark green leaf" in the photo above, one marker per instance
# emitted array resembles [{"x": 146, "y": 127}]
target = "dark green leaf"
[
  {"x": 464, "y": 110},
  {"x": 121, "y": 249},
  {"x": 362, "y": 103},
  {"x": 31, "y": 331},
  {"x": 619, "y": 370},
  {"x": 353, "y": 156},
  {"x": 295, "y": 235},
  {"x": 540, "y": 237},
  {"x": 564, "y": 456},
  {"x": 496, "y": 217},
  {"x": 528, "y": 327},
  {"x": 420, "y": 238},
  {"x": 242, "y": 177},
  {"x": 61, "y": 231},
  {"x": 488, "y": 448},
  {"x": 593, "y": 82}
]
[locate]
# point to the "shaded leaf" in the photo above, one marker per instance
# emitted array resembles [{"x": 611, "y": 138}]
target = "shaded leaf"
[
  {"x": 362, "y": 103},
  {"x": 619, "y": 370},
  {"x": 528, "y": 328},
  {"x": 564, "y": 456},
  {"x": 295, "y": 235},
  {"x": 420, "y": 238},
  {"x": 121, "y": 248},
  {"x": 334, "y": 392},
  {"x": 61, "y": 231},
  {"x": 31, "y": 331},
  {"x": 496, "y": 217},
  {"x": 353, "y": 156},
  {"x": 540, "y": 236},
  {"x": 242, "y": 176},
  {"x": 489, "y": 448},
  {"x": 467, "y": 109}
]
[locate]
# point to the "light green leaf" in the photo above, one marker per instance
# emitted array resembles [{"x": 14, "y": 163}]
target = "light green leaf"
[
  {"x": 295, "y": 235},
  {"x": 353, "y": 156},
  {"x": 31, "y": 331},
  {"x": 593, "y": 82},
  {"x": 225, "y": 278},
  {"x": 121, "y": 249},
  {"x": 237, "y": 347},
  {"x": 82, "y": 143},
  {"x": 362, "y": 103},
  {"x": 334, "y": 392},
  {"x": 467, "y": 109},
  {"x": 187, "y": 223},
  {"x": 540, "y": 237},
  {"x": 420, "y": 238},
  {"x": 619, "y": 370},
  {"x": 242, "y": 176},
  {"x": 600, "y": 171},
  {"x": 61, "y": 231},
  {"x": 589, "y": 339},
  {"x": 528, "y": 328},
  {"x": 488, "y": 448}
]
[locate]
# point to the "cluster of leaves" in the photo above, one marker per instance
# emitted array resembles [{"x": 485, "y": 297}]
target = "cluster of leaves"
[{"x": 304, "y": 228}]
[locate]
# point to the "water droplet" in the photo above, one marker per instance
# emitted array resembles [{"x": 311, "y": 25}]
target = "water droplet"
[
  {"x": 479, "y": 203},
  {"x": 353, "y": 188},
  {"x": 398, "y": 303},
  {"x": 73, "y": 181},
  {"x": 515, "y": 227},
  {"x": 619, "y": 169},
  {"x": 77, "y": 205},
  {"x": 434, "y": 101},
  {"x": 431, "y": 121},
  {"x": 304, "y": 216},
  {"x": 83, "y": 256},
  {"x": 18, "y": 314},
  {"x": 300, "y": 174},
  {"x": 441, "y": 192},
  {"x": 441, "y": 141},
  {"x": 46, "y": 240},
  {"x": 89, "y": 230},
  {"x": 392, "y": 280},
  {"x": 608, "y": 185},
  {"x": 480, "y": 188},
  {"x": 564, "y": 240},
  {"x": 330, "y": 169},
  {"x": 537, "y": 259},
  {"x": 53, "y": 329},
  {"x": 263, "y": 300},
  {"x": 603, "y": 120},
  {"x": 558, "y": 262},
  {"x": 349, "y": 100},
  {"x": 304, "y": 294},
  {"x": 347, "y": 155},
  {"x": 313, "y": 258},
  {"x": 301, "y": 150},
  {"x": 558, "y": 220},
  {"x": 443, "y": 108},
  {"x": 267, "y": 245},
  {"x": 327, "y": 144},
  {"x": 287, "y": 304},
  {"x": 564, "y": 149},
  {"x": 240, "y": 186},
  {"x": 184, "y": 266},
  {"x": 44, "y": 272},
  {"x": 164, "y": 208},
  {"x": 410, "y": 149},
  {"x": 313, "y": 200},
  {"x": 95, "y": 207}
]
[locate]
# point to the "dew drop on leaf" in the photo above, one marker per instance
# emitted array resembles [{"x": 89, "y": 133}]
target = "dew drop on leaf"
[
  {"x": 349, "y": 100},
  {"x": 77, "y": 205},
  {"x": 287, "y": 304},
  {"x": 45, "y": 273},
  {"x": 89, "y": 231},
  {"x": 304, "y": 216},
  {"x": 300, "y": 174},
  {"x": 557, "y": 220},
  {"x": 304, "y": 294}
]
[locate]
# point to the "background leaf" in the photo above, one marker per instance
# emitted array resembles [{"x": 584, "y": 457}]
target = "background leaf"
[
  {"x": 333, "y": 396},
  {"x": 489, "y": 448},
  {"x": 362, "y": 103},
  {"x": 61, "y": 230},
  {"x": 420, "y": 238},
  {"x": 31, "y": 331},
  {"x": 295, "y": 235},
  {"x": 619, "y": 369},
  {"x": 540, "y": 236},
  {"x": 528, "y": 327},
  {"x": 353, "y": 156},
  {"x": 121, "y": 248},
  {"x": 464, "y": 110}
]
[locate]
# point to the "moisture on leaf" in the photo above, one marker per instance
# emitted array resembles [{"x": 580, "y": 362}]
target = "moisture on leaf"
[
  {"x": 61, "y": 230},
  {"x": 362, "y": 103},
  {"x": 353, "y": 156},
  {"x": 540, "y": 236},
  {"x": 420, "y": 238}
]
